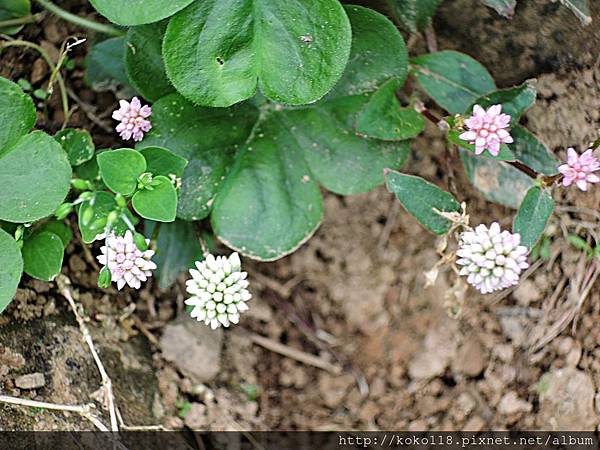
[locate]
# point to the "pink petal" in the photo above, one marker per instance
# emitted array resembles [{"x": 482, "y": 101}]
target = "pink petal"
[
  {"x": 468, "y": 136},
  {"x": 572, "y": 156},
  {"x": 478, "y": 111},
  {"x": 494, "y": 110},
  {"x": 581, "y": 184}
]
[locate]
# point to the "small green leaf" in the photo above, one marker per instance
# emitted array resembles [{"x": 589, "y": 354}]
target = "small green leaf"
[
  {"x": 384, "y": 118},
  {"x": 13, "y": 9},
  {"x": 581, "y": 9},
  {"x": 159, "y": 204},
  {"x": 144, "y": 61},
  {"x": 378, "y": 54},
  {"x": 497, "y": 181},
  {"x": 533, "y": 215},
  {"x": 101, "y": 205},
  {"x": 293, "y": 50},
  {"x": 88, "y": 170},
  {"x": 17, "y": 113},
  {"x": 120, "y": 169},
  {"x": 454, "y": 80},
  {"x": 43, "y": 255},
  {"x": 77, "y": 143},
  {"x": 105, "y": 65},
  {"x": 515, "y": 101},
  {"x": 415, "y": 15},
  {"x": 505, "y": 153},
  {"x": 421, "y": 199},
  {"x": 179, "y": 249},
  {"x": 59, "y": 228},
  {"x": 35, "y": 176},
  {"x": 11, "y": 268},
  {"x": 530, "y": 151},
  {"x": 138, "y": 12},
  {"x": 161, "y": 161},
  {"x": 505, "y": 8}
]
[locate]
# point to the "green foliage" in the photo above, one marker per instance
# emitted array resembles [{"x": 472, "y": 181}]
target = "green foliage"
[
  {"x": 43, "y": 255},
  {"x": 144, "y": 63},
  {"x": 17, "y": 113},
  {"x": 384, "y": 118},
  {"x": 121, "y": 169},
  {"x": 581, "y": 8},
  {"x": 505, "y": 8},
  {"x": 77, "y": 143},
  {"x": 515, "y": 101},
  {"x": 58, "y": 228},
  {"x": 533, "y": 216},
  {"x": 454, "y": 80},
  {"x": 423, "y": 200},
  {"x": 106, "y": 65},
  {"x": 415, "y": 15},
  {"x": 160, "y": 161},
  {"x": 138, "y": 12},
  {"x": 531, "y": 151},
  {"x": 11, "y": 268},
  {"x": 293, "y": 50},
  {"x": 158, "y": 201},
  {"x": 92, "y": 224},
  {"x": 13, "y": 9}
]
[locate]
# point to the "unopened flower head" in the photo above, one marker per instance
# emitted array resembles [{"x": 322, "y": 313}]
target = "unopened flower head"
[
  {"x": 487, "y": 130},
  {"x": 579, "y": 169},
  {"x": 492, "y": 259},
  {"x": 126, "y": 262},
  {"x": 219, "y": 290},
  {"x": 134, "y": 119}
]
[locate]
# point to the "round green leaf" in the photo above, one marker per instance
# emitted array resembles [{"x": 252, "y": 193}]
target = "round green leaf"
[
  {"x": 218, "y": 51},
  {"x": 138, "y": 12},
  {"x": 161, "y": 161},
  {"x": 77, "y": 143},
  {"x": 43, "y": 255},
  {"x": 35, "y": 175},
  {"x": 342, "y": 161},
  {"x": 13, "y": 9},
  {"x": 269, "y": 204},
  {"x": 454, "y": 80},
  {"x": 11, "y": 268},
  {"x": 533, "y": 216},
  {"x": 17, "y": 113},
  {"x": 59, "y": 228},
  {"x": 378, "y": 54},
  {"x": 144, "y": 61},
  {"x": 208, "y": 138},
  {"x": 120, "y": 169},
  {"x": 422, "y": 199},
  {"x": 383, "y": 117},
  {"x": 105, "y": 65},
  {"x": 158, "y": 204}
]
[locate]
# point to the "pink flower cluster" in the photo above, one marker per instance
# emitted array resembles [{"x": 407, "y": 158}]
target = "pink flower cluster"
[
  {"x": 487, "y": 129},
  {"x": 579, "y": 169},
  {"x": 134, "y": 119}
]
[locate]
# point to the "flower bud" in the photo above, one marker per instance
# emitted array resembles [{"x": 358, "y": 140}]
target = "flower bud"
[
  {"x": 104, "y": 278},
  {"x": 121, "y": 202},
  {"x": 63, "y": 211},
  {"x": 86, "y": 196},
  {"x": 87, "y": 216},
  {"x": 82, "y": 185}
]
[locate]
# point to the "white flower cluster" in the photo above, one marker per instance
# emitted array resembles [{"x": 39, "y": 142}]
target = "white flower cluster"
[
  {"x": 219, "y": 290},
  {"x": 492, "y": 259}
]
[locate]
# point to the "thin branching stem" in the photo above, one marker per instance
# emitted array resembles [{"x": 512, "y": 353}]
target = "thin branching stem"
[
  {"x": 81, "y": 21},
  {"x": 32, "y": 18}
]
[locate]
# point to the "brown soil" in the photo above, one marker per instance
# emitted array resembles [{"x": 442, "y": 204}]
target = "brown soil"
[{"x": 354, "y": 295}]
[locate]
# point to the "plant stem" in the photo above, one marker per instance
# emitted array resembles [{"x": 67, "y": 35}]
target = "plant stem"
[
  {"x": 81, "y": 21},
  {"x": 595, "y": 144},
  {"x": 46, "y": 57},
  {"x": 20, "y": 21}
]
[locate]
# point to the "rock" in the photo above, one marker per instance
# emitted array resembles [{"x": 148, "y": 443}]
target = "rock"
[
  {"x": 513, "y": 328},
  {"x": 527, "y": 292},
  {"x": 439, "y": 348},
  {"x": 30, "y": 381},
  {"x": 333, "y": 388},
  {"x": 567, "y": 401},
  {"x": 196, "y": 417},
  {"x": 194, "y": 348},
  {"x": 475, "y": 423},
  {"x": 512, "y": 404},
  {"x": 469, "y": 359}
]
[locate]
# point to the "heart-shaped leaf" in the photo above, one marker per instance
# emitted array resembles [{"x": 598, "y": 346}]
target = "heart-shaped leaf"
[
  {"x": 77, "y": 143},
  {"x": 138, "y": 12},
  {"x": 383, "y": 117},
  {"x": 415, "y": 15},
  {"x": 161, "y": 161},
  {"x": 63, "y": 231},
  {"x": 35, "y": 176},
  {"x": 13, "y": 9},
  {"x": 43, "y": 255},
  {"x": 11, "y": 268},
  {"x": 533, "y": 216},
  {"x": 454, "y": 80},
  {"x": 159, "y": 203},
  {"x": 423, "y": 200},
  {"x": 144, "y": 61},
  {"x": 17, "y": 113},
  {"x": 120, "y": 169},
  {"x": 218, "y": 51}
]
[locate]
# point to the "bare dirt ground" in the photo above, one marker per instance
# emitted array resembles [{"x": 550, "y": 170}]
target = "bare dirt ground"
[{"x": 366, "y": 345}]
